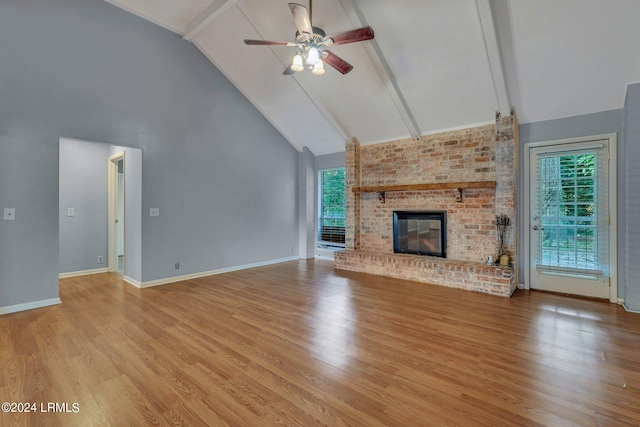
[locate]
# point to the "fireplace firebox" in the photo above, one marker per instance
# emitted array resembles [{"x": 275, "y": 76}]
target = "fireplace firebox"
[{"x": 420, "y": 232}]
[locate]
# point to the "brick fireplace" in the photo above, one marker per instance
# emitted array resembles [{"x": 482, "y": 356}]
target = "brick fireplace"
[{"x": 469, "y": 174}]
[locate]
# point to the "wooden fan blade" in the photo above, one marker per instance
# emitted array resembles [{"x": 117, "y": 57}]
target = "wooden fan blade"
[
  {"x": 357, "y": 35},
  {"x": 267, "y": 43},
  {"x": 336, "y": 62},
  {"x": 288, "y": 71},
  {"x": 301, "y": 18}
]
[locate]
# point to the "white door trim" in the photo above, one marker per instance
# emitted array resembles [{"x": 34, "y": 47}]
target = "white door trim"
[
  {"x": 112, "y": 203},
  {"x": 613, "y": 227}
]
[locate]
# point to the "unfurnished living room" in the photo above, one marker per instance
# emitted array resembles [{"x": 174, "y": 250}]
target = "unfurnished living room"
[{"x": 330, "y": 212}]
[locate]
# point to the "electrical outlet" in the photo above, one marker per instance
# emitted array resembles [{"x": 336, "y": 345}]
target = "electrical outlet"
[
  {"x": 100, "y": 260},
  {"x": 9, "y": 214},
  {"x": 71, "y": 211},
  {"x": 154, "y": 212},
  {"x": 177, "y": 265}
]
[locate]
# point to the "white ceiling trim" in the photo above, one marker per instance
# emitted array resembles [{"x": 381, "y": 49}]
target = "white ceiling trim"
[
  {"x": 382, "y": 67},
  {"x": 134, "y": 11},
  {"x": 493, "y": 56},
  {"x": 432, "y": 132},
  {"x": 207, "y": 17}
]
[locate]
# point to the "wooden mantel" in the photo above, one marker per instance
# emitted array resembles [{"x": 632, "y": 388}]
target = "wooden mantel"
[{"x": 458, "y": 186}]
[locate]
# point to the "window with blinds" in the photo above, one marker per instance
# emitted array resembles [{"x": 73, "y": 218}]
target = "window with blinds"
[
  {"x": 331, "y": 217},
  {"x": 573, "y": 211}
]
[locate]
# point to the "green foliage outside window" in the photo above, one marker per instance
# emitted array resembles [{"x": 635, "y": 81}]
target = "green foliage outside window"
[
  {"x": 332, "y": 205},
  {"x": 568, "y": 208}
]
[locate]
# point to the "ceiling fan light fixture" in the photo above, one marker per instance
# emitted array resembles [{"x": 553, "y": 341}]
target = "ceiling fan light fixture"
[
  {"x": 297, "y": 64},
  {"x": 311, "y": 42},
  {"x": 318, "y": 68},
  {"x": 313, "y": 56}
]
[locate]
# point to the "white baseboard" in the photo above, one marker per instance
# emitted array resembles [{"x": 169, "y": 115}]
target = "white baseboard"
[
  {"x": 175, "y": 279},
  {"x": 83, "y": 273},
  {"x": 630, "y": 310},
  {"x": 132, "y": 281},
  {"x": 29, "y": 306}
]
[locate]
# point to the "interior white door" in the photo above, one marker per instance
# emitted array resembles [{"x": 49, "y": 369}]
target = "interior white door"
[
  {"x": 120, "y": 208},
  {"x": 116, "y": 209},
  {"x": 569, "y": 223}
]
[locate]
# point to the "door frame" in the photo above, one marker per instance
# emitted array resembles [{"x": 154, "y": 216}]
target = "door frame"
[
  {"x": 613, "y": 227},
  {"x": 112, "y": 167}
]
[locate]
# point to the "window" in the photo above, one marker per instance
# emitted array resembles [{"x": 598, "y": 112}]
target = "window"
[
  {"x": 331, "y": 218},
  {"x": 573, "y": 211}
]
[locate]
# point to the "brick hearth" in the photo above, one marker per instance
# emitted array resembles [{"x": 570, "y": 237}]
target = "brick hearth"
[
  {"x": 467, "y": 275},
  {"x": 484, "y": 153}
]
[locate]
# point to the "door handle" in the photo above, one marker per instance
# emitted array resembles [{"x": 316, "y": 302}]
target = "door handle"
[{"x": 535, "y": 227}]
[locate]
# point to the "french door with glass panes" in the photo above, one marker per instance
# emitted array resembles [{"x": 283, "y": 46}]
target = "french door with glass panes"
[{"x": 569, "y": 218}]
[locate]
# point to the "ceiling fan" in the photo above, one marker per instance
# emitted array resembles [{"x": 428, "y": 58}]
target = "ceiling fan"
[{"x": 312, "y": 42}]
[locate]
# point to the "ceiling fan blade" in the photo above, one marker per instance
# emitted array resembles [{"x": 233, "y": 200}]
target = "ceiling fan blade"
[
  {"x": 267, "y": 43},
  {"x": 301, "y": 18},
  {"x": 336, "y": 62},
  {"x": 288, "y": 71},
  {"x": 357, "y": 35}
]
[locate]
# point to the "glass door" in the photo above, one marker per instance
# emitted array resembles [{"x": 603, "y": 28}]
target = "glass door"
[{"x": 569, "y": 233}]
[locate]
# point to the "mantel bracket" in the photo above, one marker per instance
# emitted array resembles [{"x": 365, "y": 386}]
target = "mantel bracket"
[
  {"x": 458, "y": 192},
  {"x": 381, "y": 196}
]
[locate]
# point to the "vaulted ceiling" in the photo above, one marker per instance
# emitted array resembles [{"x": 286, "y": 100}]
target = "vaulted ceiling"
[{"x": 434, "y": 65}]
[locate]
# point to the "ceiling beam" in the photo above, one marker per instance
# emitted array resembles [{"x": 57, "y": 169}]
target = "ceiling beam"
[
  {"x": 485, "y": 15},
  {"x": 384, "y": 71},
  {"x": 207, "y": 16}
]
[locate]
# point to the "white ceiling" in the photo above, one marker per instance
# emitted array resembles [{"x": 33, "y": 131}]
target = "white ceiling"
[{"x": 434, "y": 65}]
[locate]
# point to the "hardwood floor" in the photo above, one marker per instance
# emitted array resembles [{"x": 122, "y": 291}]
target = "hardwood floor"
[{"x": 300, "y": 344}]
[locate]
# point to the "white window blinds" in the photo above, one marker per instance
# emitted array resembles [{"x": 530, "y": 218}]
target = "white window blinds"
[{"x": 573, "y": 210}]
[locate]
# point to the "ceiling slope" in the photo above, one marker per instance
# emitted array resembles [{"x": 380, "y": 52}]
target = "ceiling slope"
[{"x": 433, "y": 65}]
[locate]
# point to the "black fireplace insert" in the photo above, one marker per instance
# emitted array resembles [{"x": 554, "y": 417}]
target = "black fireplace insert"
[{"x": 420, "y": 232}]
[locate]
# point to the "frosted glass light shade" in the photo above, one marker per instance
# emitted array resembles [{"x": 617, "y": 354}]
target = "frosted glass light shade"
[
  {"x": 318, "y": 69},
  {"x": 297, "y": 63},
  {"x": 312, "y": 56}
]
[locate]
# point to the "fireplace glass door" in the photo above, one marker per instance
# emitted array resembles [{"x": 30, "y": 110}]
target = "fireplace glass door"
[{"x": 422, "y": 233}]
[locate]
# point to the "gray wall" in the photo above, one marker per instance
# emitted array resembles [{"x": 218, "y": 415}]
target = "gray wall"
[
  {"x": 307, "y": 207},
  {"x": 630, "y": 200},
  {"x": 223, "y": 177},
  {"x": 328, "y": 161},
  {"x": 572, "y": 127},
  {"x": 83, "y": 186}
]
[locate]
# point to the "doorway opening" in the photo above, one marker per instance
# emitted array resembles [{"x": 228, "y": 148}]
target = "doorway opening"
[{"x": 116, "y": 165}]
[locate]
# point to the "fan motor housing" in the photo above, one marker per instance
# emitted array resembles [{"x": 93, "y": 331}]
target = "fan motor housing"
[{"x": 313, "y": 39}]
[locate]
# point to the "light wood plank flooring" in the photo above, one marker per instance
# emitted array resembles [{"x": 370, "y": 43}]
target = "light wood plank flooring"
[{"x": 299, "y": 344}]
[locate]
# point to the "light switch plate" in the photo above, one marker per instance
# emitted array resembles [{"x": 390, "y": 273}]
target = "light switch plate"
[
  {"x": 9, "y": 214},
  {"x": 154, "y": 212},
  {"x": 71, "y": 211}
]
